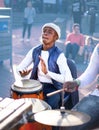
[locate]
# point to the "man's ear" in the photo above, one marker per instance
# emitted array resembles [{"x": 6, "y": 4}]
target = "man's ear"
[{"x": 56, "y": 36}]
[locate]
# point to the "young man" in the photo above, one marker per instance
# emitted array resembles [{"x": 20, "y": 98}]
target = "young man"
[
  {"x": 74, "y": 42},
  {"x": 49, "y": 64},
  {"x": 90, "y": 103}
]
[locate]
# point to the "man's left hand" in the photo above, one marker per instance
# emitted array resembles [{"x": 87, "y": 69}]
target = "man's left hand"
[{"x": 43, "y": 65}]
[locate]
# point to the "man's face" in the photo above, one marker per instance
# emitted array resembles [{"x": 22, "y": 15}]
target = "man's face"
[
  {"x": 76, "y": 29},
  {"x": 29, "y": 4},
  {"x": 49, "y": 36}
]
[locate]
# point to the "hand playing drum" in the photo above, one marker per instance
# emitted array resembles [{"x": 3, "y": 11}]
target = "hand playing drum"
[
  {"x": 71, "y": 86},
  {"x": 25, "y": 72}
]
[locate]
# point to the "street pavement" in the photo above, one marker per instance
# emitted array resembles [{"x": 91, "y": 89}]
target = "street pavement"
[{"x": 20, "y": 49}]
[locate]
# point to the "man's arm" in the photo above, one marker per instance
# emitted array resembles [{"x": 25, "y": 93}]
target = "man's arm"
[
  {"x": 65, "y": 74},
  {"x": 88, "y": 76},
  {"x": 22, "y": 68},
  {"x": 92, "y": 70}
]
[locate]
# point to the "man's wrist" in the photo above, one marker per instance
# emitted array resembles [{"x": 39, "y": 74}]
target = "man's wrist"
[{"x": 78, "y": 82}]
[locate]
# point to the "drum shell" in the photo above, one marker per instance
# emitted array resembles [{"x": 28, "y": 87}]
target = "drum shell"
[
  {"x": 35, "y": 126},
  {"x": 29, "y": 92},
  {"x": 18, "y": 95}
]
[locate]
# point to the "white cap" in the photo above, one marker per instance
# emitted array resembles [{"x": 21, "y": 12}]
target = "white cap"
[{"x": 53, "y": 26}]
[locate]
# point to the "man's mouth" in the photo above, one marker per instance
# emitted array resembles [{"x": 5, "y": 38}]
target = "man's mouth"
[{"x": 44, "y": 38}]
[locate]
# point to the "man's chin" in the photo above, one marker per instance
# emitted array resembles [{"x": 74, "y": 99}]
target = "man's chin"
[{"x": 45, "y": 42}]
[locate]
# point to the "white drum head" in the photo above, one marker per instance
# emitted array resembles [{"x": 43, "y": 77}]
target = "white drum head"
[{"x": 27, "y": 85}]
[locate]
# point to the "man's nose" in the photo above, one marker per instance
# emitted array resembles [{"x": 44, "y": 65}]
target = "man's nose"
[{"x": 45, "y": 33}]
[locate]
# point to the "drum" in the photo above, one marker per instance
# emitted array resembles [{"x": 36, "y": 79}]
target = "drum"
[
  {"x": 37, "y": 106},
  {"x": 27, "y": 88}
]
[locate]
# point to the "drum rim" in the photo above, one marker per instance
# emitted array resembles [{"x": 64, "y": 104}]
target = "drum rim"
[
  {"x": 16, "y": 88},
  {"x": 31, "y": 80},
  {"x": 27, "y": 91}
]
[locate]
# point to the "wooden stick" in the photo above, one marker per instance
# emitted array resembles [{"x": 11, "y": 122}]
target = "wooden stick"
[{"x": 55, "y": 92}]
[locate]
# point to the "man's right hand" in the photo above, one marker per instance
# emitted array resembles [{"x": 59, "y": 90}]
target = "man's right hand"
[
  {"x": 70, "y": 86},
  {"x": 25, "y": 72}
]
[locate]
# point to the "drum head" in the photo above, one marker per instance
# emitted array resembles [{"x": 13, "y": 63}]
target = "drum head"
[
  {"x": 38, "y": 105},
  {"x": 27, "y": 85}
]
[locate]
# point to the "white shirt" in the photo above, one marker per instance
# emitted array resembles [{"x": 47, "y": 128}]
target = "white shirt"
[
  {"x": 65, "y": 74},
  {"x": 92, "y": 71}
]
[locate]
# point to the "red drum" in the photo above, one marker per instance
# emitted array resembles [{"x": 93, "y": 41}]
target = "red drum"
[
  {"x": 27, "y": 88},
  {"x": 37, "y": 106}
]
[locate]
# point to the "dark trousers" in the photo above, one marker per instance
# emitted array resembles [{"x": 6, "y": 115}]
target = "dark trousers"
[
  {"x": 72, "y": 49},
  {"x": 28, "y": 28},
  {"x": 54, "y": 100}
]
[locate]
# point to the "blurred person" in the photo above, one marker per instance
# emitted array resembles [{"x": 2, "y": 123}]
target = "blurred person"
[
  {"x": 38, "y": 6},
  {"x": 74, "y": 42},
  {"x": 59, "y": 7},
  {"x": 92, "y": 14},
  {"x": 89, "y": 104},
  {"x": 88, "y": 49},
  {"x": 29, "y": 14},
  {"x": 78, "y": 8},
  {"x": 49, "y": 64}
]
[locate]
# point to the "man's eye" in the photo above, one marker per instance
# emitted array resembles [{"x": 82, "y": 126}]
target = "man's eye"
[
  {"x": 44, "y": 31},
  {"x": 49, "y": 32}
]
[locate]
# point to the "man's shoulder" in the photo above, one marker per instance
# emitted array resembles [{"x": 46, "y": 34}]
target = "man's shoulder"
[
  {"x": 82, "y": 35},
  {"x": 70, "y": 34},
  {"x": 58, "y": 49}
]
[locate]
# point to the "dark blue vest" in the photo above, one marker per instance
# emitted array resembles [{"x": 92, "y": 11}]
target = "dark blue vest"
[{"x": 54, "y": 52}]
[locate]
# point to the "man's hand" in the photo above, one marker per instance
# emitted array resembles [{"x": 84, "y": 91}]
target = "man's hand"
[
  {"x": 25, "y": 72},
  {"x": 70, "y": 86},
  {"x": 43, "y": 65}
]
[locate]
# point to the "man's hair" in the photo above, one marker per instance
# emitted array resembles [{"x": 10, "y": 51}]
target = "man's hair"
[{"x": 76, "y": 25}]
